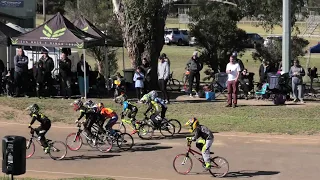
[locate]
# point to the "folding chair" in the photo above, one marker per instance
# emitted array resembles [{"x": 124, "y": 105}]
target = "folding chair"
[
  {"x": 219, "y": 84},
  {"x": 261, "y": 94}
]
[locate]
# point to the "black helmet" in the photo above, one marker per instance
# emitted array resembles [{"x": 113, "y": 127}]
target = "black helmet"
[{"x": 34, "y": 108}]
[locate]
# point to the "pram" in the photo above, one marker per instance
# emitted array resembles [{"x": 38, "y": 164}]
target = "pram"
[
  {"x": 7, "y": 85},
  {"x": 249, "y": 83}
]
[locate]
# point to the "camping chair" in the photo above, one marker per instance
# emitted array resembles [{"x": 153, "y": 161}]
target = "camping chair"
[
  {"x": 261, "y": 94},
  {"x": 219, "y": 84}
]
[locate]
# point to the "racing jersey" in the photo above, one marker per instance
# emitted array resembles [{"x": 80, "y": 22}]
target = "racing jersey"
[
  {"x": 128, "y": 106},
  {"x": 203, "y": 132},
  {"x": 154, "y": 107},
  {"x": 41, "y": 118},
  {"x": 160, "y": 102},
  {"x": 107, "y": 113}
]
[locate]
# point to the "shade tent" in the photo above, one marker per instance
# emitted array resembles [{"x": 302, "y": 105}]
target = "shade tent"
[
  {"x": 58, "y": 32},
  {"x": 312, "y": 50},
  {"x": 82, "y": 23},
  {"x": 6, "y": 33}
]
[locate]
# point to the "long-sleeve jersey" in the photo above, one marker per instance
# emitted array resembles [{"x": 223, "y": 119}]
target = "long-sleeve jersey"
[
  {"x": 108, "y": 113},
  {"x": 203, "y": 132},
  {"x": 128, "y": 106},
  {"x": 160, "y": 102},
  {"x": 84, "y": 111},
  {"x": 152, "y": 105},
  {"x": 42, "y": 119}
]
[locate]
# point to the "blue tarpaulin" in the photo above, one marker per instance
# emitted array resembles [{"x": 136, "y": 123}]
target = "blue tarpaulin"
[{"x": 315, "y": 49}]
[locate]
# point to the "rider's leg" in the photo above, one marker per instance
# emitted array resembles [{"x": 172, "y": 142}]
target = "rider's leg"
[
  {"x": 88, "y": 128},
  {"x": 163, "y": 112},
  {"x": 206, "y": 152},
  {"x": 110, "y": 123},
  {"x": 41, "y": 131}
]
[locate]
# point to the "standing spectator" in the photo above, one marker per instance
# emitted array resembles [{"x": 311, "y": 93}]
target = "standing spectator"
[
  {"x": 164, "y": 55},
  {"x": 239, "y": 61},
  {"x": 20, "y": 72},
  {"x": 138, "y": 79},
  {"x": 65, "y": 75},
  {"x": 233, "y": 70},
  {"x": 296, "y": 73},
  {"x": 263, "y": 72},
  {"x": 39, "y": 75},
  {"x": 2, "y": 70},
  {"x": 163, "y": 76},
  {"x": 80, "y": 72},
  {"x": 146, "y": 69},
  {"x": 195, "y": 66},
  {"x": 48, "y": 66}
]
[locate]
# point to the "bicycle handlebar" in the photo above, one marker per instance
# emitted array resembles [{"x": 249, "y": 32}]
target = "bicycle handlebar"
[{"x": 189, "y": 143}]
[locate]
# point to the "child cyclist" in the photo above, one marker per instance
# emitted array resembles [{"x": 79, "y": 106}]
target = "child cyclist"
[
  {"x": 108, "y": 113},
  {"x": 129, "y": 110},
  {"x": 205, "y": 142},
  {"x": 87, "y": 110},
  {"x": 154, "y": 101},
  {"x": 44, "y": 127}
]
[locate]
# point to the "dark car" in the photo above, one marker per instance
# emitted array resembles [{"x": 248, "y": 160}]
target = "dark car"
[{"x": 254, "y": 39}]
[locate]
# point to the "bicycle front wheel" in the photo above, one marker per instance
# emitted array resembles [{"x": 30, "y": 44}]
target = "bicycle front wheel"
[
  {"x": 125, "y": 141},
  {"x": 182, "y": 164},
  {"x": 58, "y": 150},
  {"x": 122, "y": 128},
  {"x": 176, "y": 124},
  {"x": 220, "y": 167},
  {"x": 74, "y": 141},
  {"x": 30, "y": 147},
  {"x": 167, "y": 129},
  {"x": 145, "y": 131}
]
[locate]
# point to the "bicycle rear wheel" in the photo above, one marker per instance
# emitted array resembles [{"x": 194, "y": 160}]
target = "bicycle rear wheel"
[
  {"x": 74, "y": 141},
  {"x": 104, "y": 143},
  {"x": 174, "y": 85},
  {"x": 219, "y": 164},
  {"x": 167, "y": 127},
  {"x": 145, "y": 131},
  {"x": 125, "y": 141},
  {"x": 58, "y": 150},
  {"x": 184, "y": 161},
  {"x": 176, "y": 124},
  {"x": 30, "y": 147}
]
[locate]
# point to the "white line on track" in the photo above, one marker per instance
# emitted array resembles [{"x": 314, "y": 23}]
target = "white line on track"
[
  {"x": 92, "y": 175},
  {"x": 222, "y": 135}
]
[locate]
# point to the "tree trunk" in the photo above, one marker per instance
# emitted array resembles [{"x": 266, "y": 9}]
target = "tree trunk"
[{"x": 147, "y": 44}]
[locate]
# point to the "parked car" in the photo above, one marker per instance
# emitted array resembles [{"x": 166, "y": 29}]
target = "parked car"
[
  {"x": 271, "y": 39},
  {"x": 254, "y": 38},
  {"x": 192, "y": 41},
  {"x": 176, "y": 36}
]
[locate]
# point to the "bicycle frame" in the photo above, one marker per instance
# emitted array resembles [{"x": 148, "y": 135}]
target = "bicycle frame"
[
  {"x": 194, "y": 153},
  {"x": 128, "y": 122}
]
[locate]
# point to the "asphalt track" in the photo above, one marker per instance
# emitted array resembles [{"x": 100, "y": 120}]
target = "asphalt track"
[{"x": 261, "y": 157}]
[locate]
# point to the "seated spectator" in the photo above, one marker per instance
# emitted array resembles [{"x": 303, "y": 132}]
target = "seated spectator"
[{"x": 244, "y": 80}]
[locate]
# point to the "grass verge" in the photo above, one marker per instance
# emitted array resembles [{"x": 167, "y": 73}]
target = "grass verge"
[{"x": 256, "y": 118}]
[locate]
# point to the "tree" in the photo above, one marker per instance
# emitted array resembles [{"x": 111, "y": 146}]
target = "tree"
[
  {"x": 273, "y": 52},
  {"x": 216, "y": 32},
  {"x": 142, "y": 23},
  {"x": 99, "y": 13}
]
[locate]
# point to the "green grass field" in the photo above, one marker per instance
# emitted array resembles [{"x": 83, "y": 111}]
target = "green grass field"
[{"x": 257, "y": 119}]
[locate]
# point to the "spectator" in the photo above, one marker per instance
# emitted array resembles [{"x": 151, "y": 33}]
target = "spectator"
[
  {"x": 65, "y": 75},
  {"x": 146, "y": 69},
  {"x": 239, "y": 61},
  {"x": 263, "y": 72},
  {"x": 48, "y": 66},
  {"x": 244, "y": 81},
  {"x": 163, "y": 76},
  {"x": 195, "y": 66},
  {"x": 2, "y": 70},
  {"x": 233, "y": 70},
  {"x": 80, "y": 72},
  {"x": 20, "y": 72},
  {"x": 39, "y": 75},
  {"x": 164, "y": 55},
  {"x": 296, "y": 73},
  {"x": 138, "y": 78}
]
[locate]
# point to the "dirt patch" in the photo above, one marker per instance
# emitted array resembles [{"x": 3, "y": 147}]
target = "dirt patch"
[{"x": 12, "y": 114}]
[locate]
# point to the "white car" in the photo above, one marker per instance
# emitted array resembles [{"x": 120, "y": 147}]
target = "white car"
[{"x": 176, "y": 36}]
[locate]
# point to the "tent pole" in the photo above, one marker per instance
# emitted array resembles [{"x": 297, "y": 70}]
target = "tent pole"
[
  {"x": 107, "y": 72},
  {"x": 8, "y": 59},
  {"x": 85, "y": 74},
  {"x": 309, "y": 57},
  {"x": 123, "y": 65}
]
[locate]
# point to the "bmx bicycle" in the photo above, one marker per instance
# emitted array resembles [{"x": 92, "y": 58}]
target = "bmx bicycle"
[
  {"x": 217, "y": 163},
  {"x": 74, "y": 141},
  {"x": 54, "y": 147},
  {"x": 143, "y": 133}
]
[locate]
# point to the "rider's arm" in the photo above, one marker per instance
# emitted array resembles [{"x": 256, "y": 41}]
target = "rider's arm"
[
  {"x": 155, "y": 106},
  {"x": 34, "y": 118},
  {"x": 149, "y": 107},
  {"x": 196, "y": 134},
  {"x": 82, "y": 113}
]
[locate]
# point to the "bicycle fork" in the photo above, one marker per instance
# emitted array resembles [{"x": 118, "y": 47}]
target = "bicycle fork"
[
  {"x": 29, "y": 143},
  {"x": 185, "y": 159}
]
